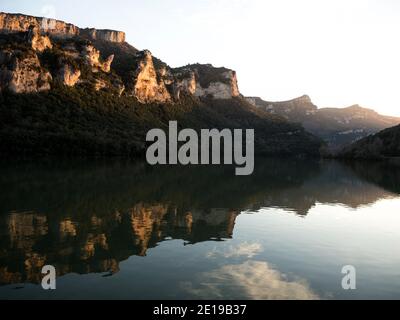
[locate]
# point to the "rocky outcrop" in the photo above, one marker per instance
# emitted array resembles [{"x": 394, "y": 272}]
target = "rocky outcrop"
[
  {"x": 100, "y": 84},
  {"x": 10, "y": 23},
  {"x": 68, "y": 75},
  {"x": 21, "y": 72},
  {"x": 92, "y": 57},
  {"x": 204, "y": 80},
  {"x": 220, "y": 90},
  {"x": 301, "y": 106},
  {"x": 104, "y": 35},
  {"x": 148, "y": 79},
  {"x": 185, "y": 83},
  {"x": 37, "y": 41},
  {"x": 106, "y": 65},
  {"x": 147, "y": 87}
]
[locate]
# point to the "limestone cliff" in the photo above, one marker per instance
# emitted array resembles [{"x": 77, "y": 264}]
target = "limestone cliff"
[
  {"x": 220, "y": 89},
  {"x": 37, "y": 41},
  {"x": 101, "y": 59},
  {"x": 105, "y": 35},
  {"x": 10, "y": 23},
  {"x": 92, "y": 57},
  {"x": 204, "y": 80},
  {"x": 68, "y": 75},
  {"x": 21, "y": 72},
  {"x": 147, "y": 86}
]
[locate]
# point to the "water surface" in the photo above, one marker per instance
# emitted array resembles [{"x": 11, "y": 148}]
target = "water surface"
[{"x": 124, "y": 230}]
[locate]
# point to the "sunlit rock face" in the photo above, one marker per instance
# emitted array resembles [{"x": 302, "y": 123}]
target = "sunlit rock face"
[
  {"x": 92, "y": 57},
  {"x": 10, "y": 23},
  {"x": 68, "y": 75},
  {"x": 204, "y": 80},
  {"x": 220, "y": 84},
  {"x": 147, "y": 87},
  {"x": 217, "y": 90},
  {"x": 106, "y": 65},
  {"x": 105, "y": 35},
  {"x": 21, "y": 72},
  {"x": 37, "y": 41},
  {"x": 148, "y": 79},
  {"x": 100, "y": 84}
]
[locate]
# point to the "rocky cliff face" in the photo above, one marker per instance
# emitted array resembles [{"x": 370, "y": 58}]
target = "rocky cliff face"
[
  {"x": 74, "y": 56},
  {"x": 92, "y": 57},
  {"x": 147, "y": 86},
  {"x": 37, "y": 41},
  {"x": 207, "y": 81},
  {"x": 226, "y": 89},
  {"x": 104, "y": 35},
  {"x": 21, "y": 72},
  {"x": 68, "y": 75},
  {"x": 10, "y": 23},
  {"x": 301, "y": 106}
]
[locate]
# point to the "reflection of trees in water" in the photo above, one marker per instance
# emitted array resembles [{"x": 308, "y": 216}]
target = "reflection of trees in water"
[
  {"x": 101, "y": 186},
  {"x": 88, "y": 217},
  {"x": 385, "y": 174}
]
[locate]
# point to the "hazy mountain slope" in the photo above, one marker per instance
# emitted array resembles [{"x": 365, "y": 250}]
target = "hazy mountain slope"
[
  {"x": 337, "y": 126},
  {"x": 385, "y": 144}
]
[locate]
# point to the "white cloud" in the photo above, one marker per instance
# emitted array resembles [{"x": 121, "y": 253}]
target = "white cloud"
[
  {"x": 247, "y": 250},
  {"x": 251, "y": 280}
]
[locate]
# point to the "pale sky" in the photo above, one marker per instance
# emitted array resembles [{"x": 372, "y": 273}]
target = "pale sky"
[{"x": 340, "y": 52}]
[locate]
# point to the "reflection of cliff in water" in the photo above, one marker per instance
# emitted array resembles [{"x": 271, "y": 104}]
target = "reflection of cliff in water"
[
  {"x": 97, "y": 244},
  {"x": 385, "y": 174},
  {"x": 87, "y": 218}
]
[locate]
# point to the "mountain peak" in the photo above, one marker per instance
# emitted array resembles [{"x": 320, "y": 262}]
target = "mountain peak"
[{"x": 304, "y": 98}]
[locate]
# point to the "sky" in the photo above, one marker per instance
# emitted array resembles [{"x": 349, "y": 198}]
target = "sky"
[{"x": 339, "y": 52}]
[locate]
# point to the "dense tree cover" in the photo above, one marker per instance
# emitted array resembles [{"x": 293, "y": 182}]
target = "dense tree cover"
[
  {"x": 384, "y": 144},
  {"x": 81, "y": 121}
]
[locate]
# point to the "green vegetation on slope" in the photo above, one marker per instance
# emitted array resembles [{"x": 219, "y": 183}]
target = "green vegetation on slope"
[
  {"x": 384, "y": 144},
  {"x": 81, "y": 121}
]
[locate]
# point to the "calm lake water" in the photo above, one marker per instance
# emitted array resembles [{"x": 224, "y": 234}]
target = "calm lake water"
[{"x": 124, "y": 230}]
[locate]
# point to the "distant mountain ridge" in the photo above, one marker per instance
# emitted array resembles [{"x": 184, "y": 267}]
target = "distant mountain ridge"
[
  {"x": 382, "y": 145},
  {"x": 336, "y": 126}
]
